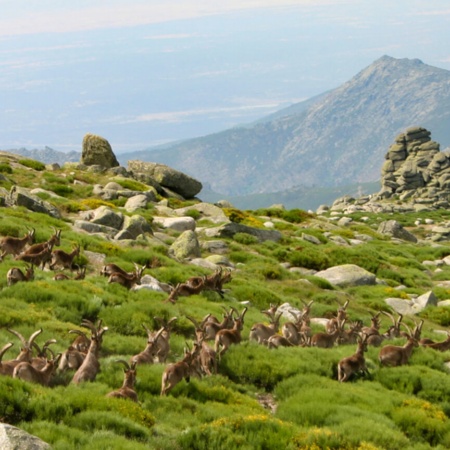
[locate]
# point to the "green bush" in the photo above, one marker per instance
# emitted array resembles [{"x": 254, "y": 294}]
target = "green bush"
[
  {"x": 5, "y": 168},
  {"x": 245, "y": 238},
  {"x": 32, "y": 164}
]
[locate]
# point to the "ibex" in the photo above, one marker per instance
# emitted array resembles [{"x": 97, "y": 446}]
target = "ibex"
[
  {"x": 184, "y": 290},
  {"x": 54, "y": 240},
  {"x": 26, "y": 372},
  {"x": 111, "y": 268},
  {"x": 39, "y": 361},
  {"x": 394, "y": 329},
  {"x": 147, "y": 356},
  {"x": 440, "y": 346},
  {"x": 15, "y": 275},
  {"x": 38, "y": 259},
  {"x": 4, "y": 370},
  {"x": 333, "y": 323},
  {"x": 163, "y": 343},
  {"x": 63, "y": 259},
  {"x": 213, "y": 282},
  {"x": 393, "y": 355},
  {"x": 26, "y": 352},
  {"x": 212, "y": 327},
  {"x": 299, "y": 331},
  {"x": 261, "y": 332},
  {"x": 175, "y": 372},
  {"x": 351, "y": 336},
  {"x": 355, "y": 363},
  {"x": 127, "y": 281},
  {"x": 225, "y": 338},
  {"x": 80, "y": 275},
  {"x": 127, "y": 390},
  {"x": 373, "y": 332},
  {"x": 327, "y": 340},
  {"x": 90, "y": 366},
  {"x": 276, "y": 340},
  {"x": 207, "y": 356},
  {"x": 13, "y": 246}
]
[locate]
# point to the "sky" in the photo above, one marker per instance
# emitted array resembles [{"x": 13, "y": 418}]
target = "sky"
[{"x": 144, "y": 73}]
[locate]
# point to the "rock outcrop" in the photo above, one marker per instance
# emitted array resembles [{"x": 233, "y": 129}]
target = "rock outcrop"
[{"x": 97, "y": 152}]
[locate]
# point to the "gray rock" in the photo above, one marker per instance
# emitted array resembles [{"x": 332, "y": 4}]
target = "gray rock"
[
  {"x": 186, "y": 246},
  {"x": 395, "y": 229},
  {"x": 175, "y": 223},
  {"x": 207, "y": 210},
  {"x": 97, "y": 152},
  {"x": 104, "y": 215},
  {"x": 22, "y": 197},
  {"x": 137, "y": 202},
  {"x": 347, "y": 275},
  {"x": 401, "y": 306},
  {"x": 91, "y": 228},
  {"x": 135, "y": 226},
  {"x": 167, "y": 177},
  {"x": 311, "y": 238},
  {"x": 12, "y": 438},
  {"x": 217, "y": 247},
  {"x": 425, "y": 300}
]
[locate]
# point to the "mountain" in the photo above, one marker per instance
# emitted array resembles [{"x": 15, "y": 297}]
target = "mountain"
[{"x": 335, "y": 139}]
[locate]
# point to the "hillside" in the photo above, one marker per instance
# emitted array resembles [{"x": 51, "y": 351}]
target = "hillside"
[
  {"x": 338, "y": 138},
  {"x": 260, "y": 398}
]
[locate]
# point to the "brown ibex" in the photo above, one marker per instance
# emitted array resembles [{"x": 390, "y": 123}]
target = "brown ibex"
[
  {"x": 163, "y": 343},
  {"x": 4, "y": 370},
  {"x": 90, "y": 366},
  {"x": 225, "y": 338},
  {"x": 297, "y": 332},
  {"x": 175, "y": 372},
  {"x": 80, "y": 275},
  {"x": 184, "y": 290},
  {"x": 39, "y": 259},
  {"x": 39, "y": 361},
  {"x": 15, "y": 275},
  {"x": 355, "y": 363},
  {"x": 63, "y": 259},
  {"x": 333, "y": 323},
  {"x": 394, "y": 355},
  {"x": 276, "y": 340},
  {"x": 27, "y": 372},
  {"x": 54, "y": 240},
  {"x": 212, "y": 282},
  {"x": 207, "y": 356},
  {"x": 440, "y": 346},
  {"x": 128, "y": 280},
  {"x": 127, "y": 390},
  {"x": 147, "y": 356},
  {"x": 261, "y": 332},
  {"x": 327, "y": 340},
  {"x": 13, "y": 246},
  {"x": 212, "y": 326}
]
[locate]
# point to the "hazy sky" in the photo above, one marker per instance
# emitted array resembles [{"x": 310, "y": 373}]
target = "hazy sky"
[{"x": 141, "y": 73}]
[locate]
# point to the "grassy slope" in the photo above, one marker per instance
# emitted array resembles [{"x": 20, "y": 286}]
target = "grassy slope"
[{"x": 405, "y": 407}]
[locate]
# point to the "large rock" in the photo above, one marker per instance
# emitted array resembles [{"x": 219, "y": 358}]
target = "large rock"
[
  {"x": 22, "y": 197},
  {"x": 12, "y": 438},
  {"x": 167, "y": 177},
  {"x": 175, "y": 223},
  {"x": 134, "y": 226},
  {"x": 106, "y": 216},
  {"x": 186, "y": 246},
  {"x": 97, "y": 152},
  {"x": 395, "y": 229},
  {"x": 347, "y": 275}
]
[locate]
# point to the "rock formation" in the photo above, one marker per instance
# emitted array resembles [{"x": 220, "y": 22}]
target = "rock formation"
[{"x": 97, "y": 152}]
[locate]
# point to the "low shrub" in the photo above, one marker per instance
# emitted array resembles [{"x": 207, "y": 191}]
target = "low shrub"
[{"x": 32, "y": 164}]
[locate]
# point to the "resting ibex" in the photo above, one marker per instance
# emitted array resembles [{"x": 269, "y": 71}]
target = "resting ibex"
[
  {"x": 212, "y": 326},
  {"x": 373, "y": 332},
  {"x": 15, "y": 275},
  {"x": 355, "y": 363},
  {"x": 184, "y": 290},
  {"x": 147, "y": 356},
  {"x": 298, "y": 332},
  {"x": 440, "y": 346},
  {"x": 327, "y": 340},
  {"x": 13, "y": 246},
  {"x": 333, "y": 323},
  {"x": 276, "y": 340},
  {"x": 54, "y": 240},
  {"x": 127, "y": 281},
  {"x": 225, "y": 338},
  {"x": 4, "y": 370},
  {"x": 261, "y": 332},
  {"x": 352, "y": 335},
  {"x": 127, "y": 390},
  {"x": 394, "y": 355},
  {"x": 207, "y": 356},
  {"x": 90, "y": 366},
  {"x": 80, "y": 275},
  {"x": 39, "y": 361},
  {"x": 175, "y": 372},
  {"x": 26, "y": 352},
  {"x": 63, "y": 259},
  {"x": 26, "y": 372}
]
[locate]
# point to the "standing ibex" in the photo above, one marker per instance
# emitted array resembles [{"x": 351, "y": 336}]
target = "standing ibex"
[
  {"x": 175, "y": 372},
  {"x": 127, "y": 390},
  {"x": 333, "y": 323},
  {"x": 212, "y": 326},
  {"x": 213, "y": 282},
  {"x": 261, "y": 332},
  {"x": 184, "y": 290},
  {"x": 127, "y": 280},
  {"x": 298, "y": 332},
  {"x": 394, "y": 355},
  {"x": 15, "y": 275},
  {"x": 355, "y": 363},
  {"x": 327, "y": 340},
  {"x": 163, "y": 343},
  {"x": 64, "y": 259},
  {"x": 90, "y": 366},
  {"x": 37, "y": 259},
  {"x": 54, "y": 240},
  {"x": 225, "y": 338},
  {"x": 13, "y": 246}
]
